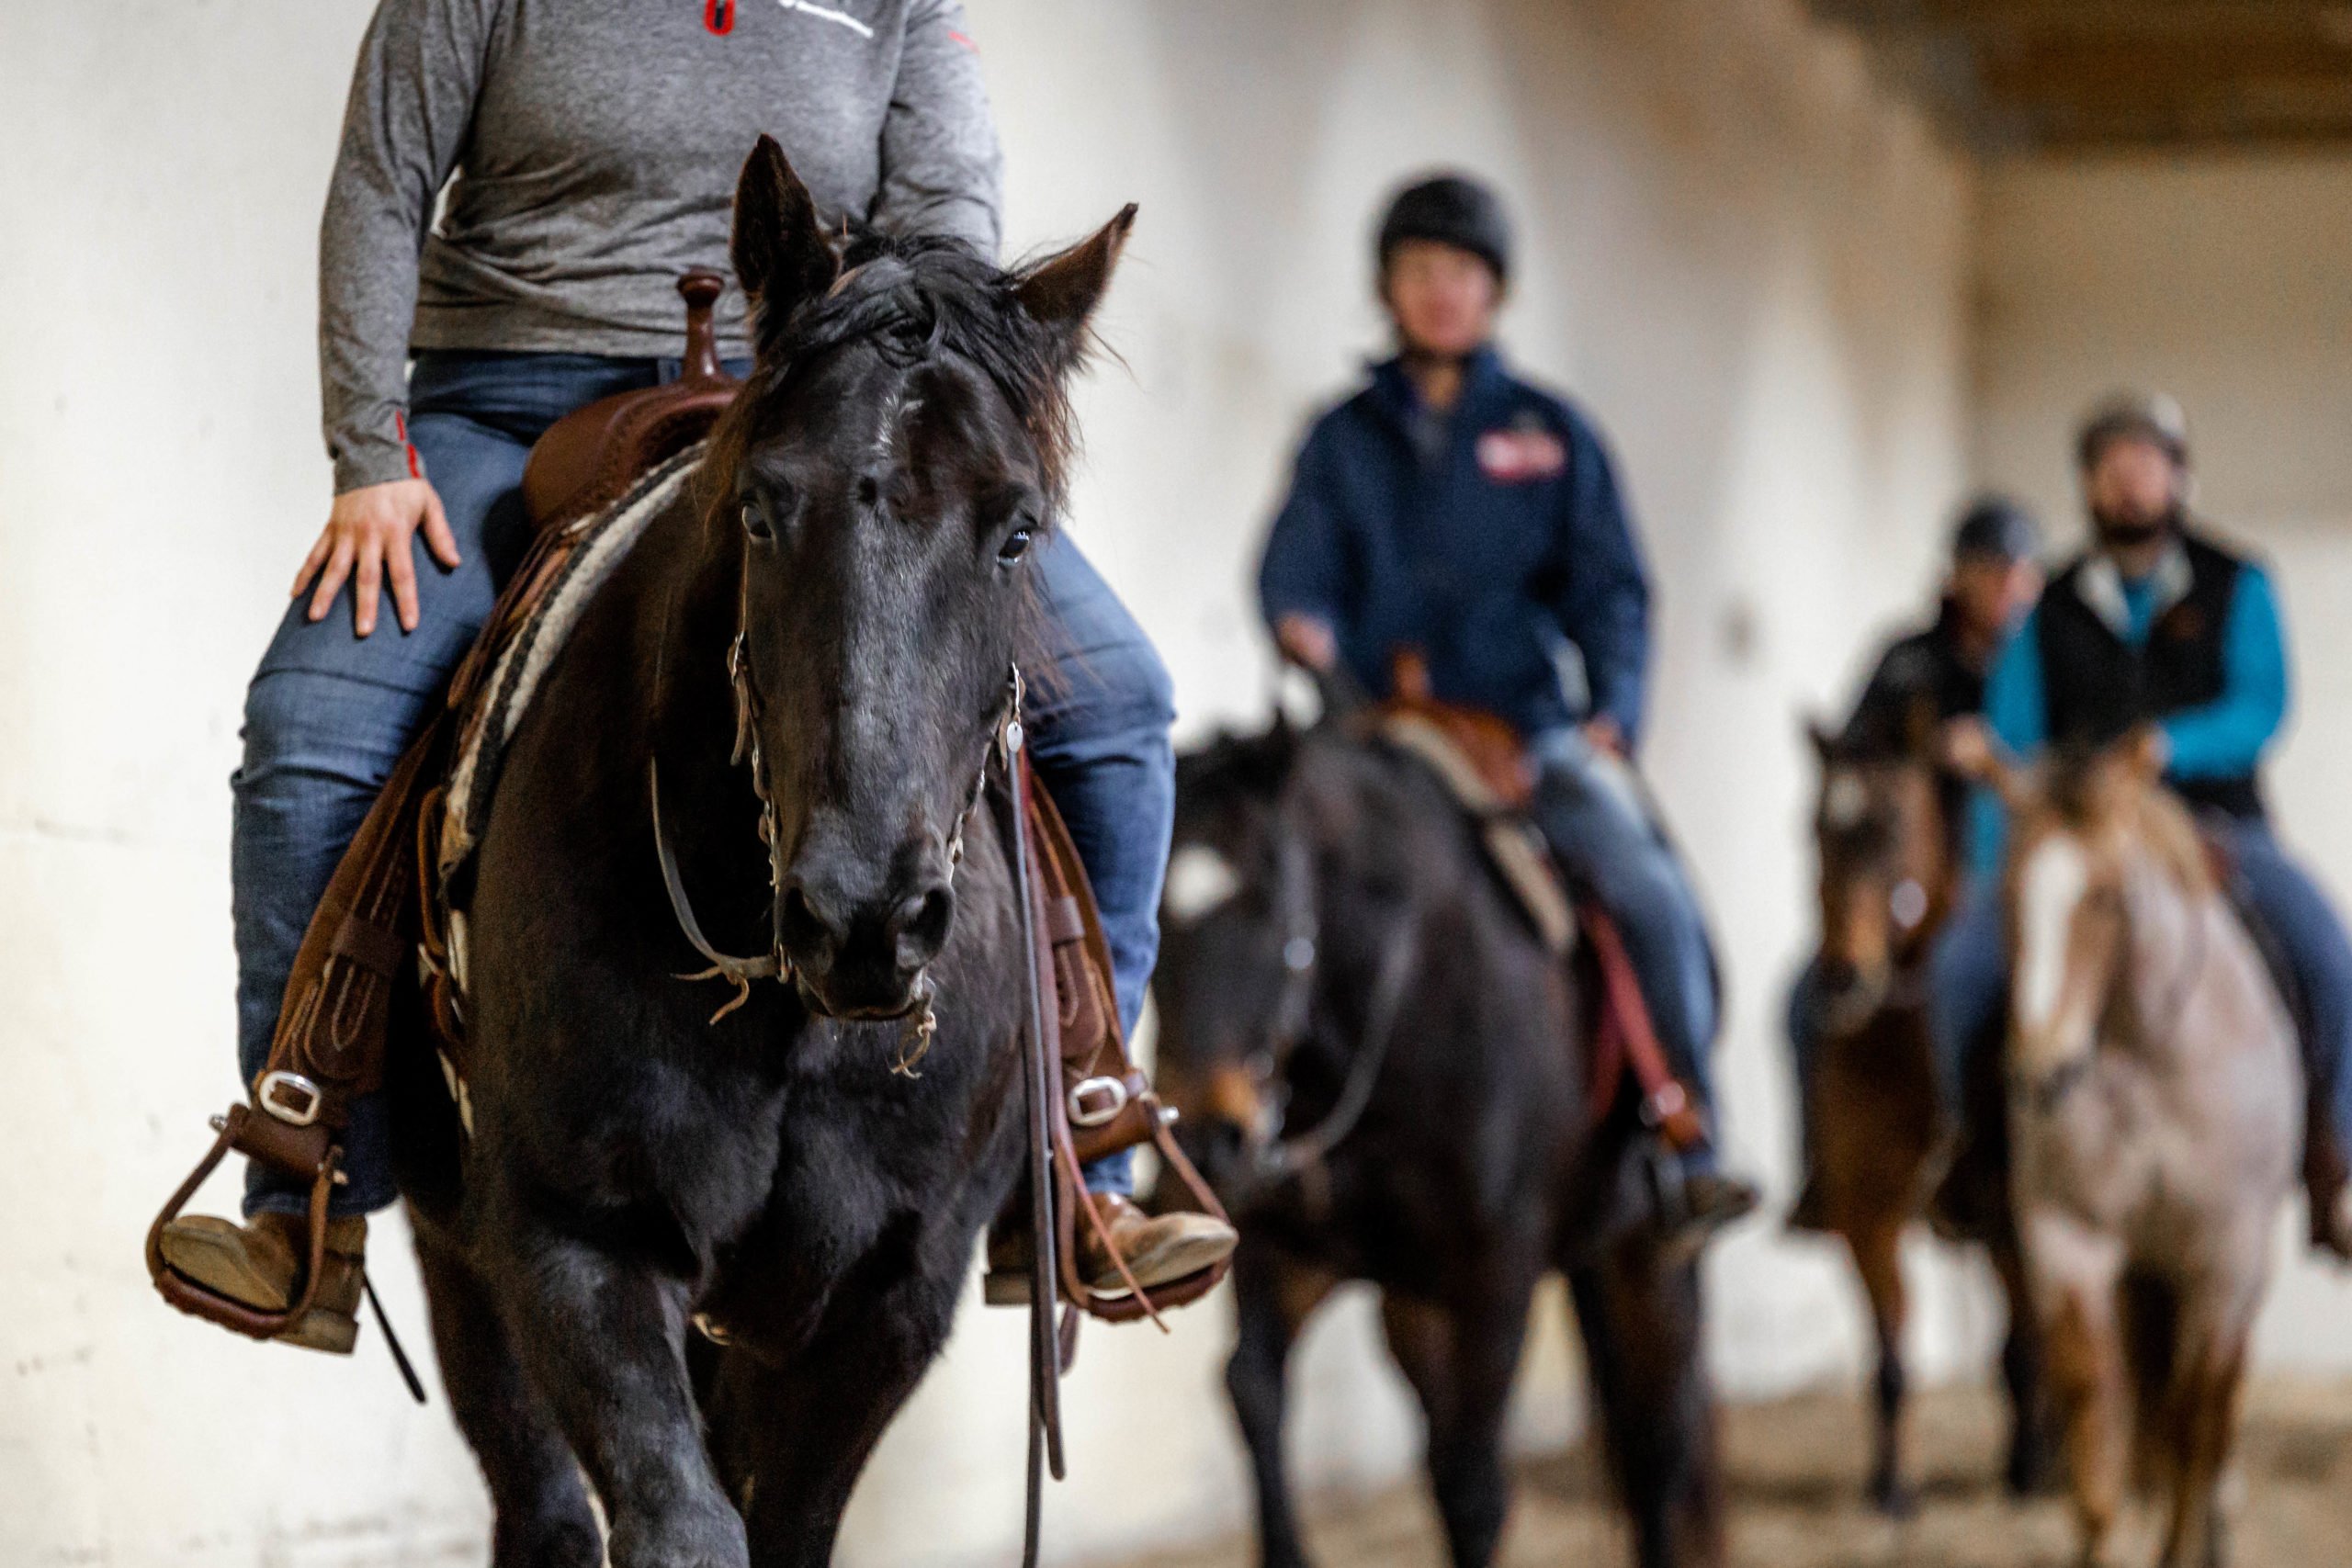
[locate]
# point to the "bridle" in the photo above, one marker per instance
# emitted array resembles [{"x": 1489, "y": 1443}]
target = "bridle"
[
  {"x": 2049, "y": 1090},
  {"x": 1284, "y": 1156},
  {"x": 1003, "y": 744}
]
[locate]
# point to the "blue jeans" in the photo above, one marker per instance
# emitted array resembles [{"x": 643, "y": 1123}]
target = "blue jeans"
[
  {"x": 1969, "y": 980},
  {"x": 1599, "y": 829},
  {"x": 1803, "y": 1023},
  {"x": 329, "y": 714}
]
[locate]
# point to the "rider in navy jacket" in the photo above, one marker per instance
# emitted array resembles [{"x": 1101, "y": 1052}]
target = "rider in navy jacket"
[
  {"x": 1485, "y": 541},
  {"x": 1451, "y": 509}
]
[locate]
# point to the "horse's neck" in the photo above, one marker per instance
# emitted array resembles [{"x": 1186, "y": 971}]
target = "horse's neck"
[{"x": 2185, "y": 942}]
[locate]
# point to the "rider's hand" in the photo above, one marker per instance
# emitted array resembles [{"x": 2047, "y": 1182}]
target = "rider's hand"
[
  {"x": 1969, "y": 749},
  {"x": 366, "y": 539},
  {"x": 1309, "y": 640},
  {"x": 1603, "y": 734}
]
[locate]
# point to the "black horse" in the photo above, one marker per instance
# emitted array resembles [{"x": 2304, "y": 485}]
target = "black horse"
[
  {"x": 846, "y": 580},
  {"x": 1381, "y": 1069}
]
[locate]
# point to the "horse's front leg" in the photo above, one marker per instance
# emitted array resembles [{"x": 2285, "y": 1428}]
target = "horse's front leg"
[
  {"x": 1273, "y": 1295},
  {"x": 2075, "y": 1272},
  {"x": 605, "y": 1346},
  {"x": 793, "y": 1436},
  {"x": 1459, "y": 1357},
  {"x": 1877, "y": 1249},
  {"x": 1641, "y": 1325}
]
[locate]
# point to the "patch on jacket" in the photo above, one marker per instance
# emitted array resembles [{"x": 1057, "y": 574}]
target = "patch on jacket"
[{"x": 1520, "y": 457}]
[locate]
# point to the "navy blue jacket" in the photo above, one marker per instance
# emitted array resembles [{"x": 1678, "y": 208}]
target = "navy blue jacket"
[{"x": 1506, "y": 539}]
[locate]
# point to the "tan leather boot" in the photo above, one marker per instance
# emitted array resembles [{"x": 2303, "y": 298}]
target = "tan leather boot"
[
  {"x": 260, "y": 1264},
  {"x": 1158, "y": 1247}
]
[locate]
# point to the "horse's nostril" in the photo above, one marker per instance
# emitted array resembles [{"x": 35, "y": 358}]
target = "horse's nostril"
[
  {"x": 919, "y": 925},
  {"x": 803, "y": 928}
]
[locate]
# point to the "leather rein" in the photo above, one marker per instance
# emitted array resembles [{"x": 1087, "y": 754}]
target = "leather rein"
[{"x": 1296, "y": 1155}]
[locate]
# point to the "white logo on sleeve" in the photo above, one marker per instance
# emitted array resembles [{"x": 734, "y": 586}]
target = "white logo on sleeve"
[{"x": 827, "y": 14}]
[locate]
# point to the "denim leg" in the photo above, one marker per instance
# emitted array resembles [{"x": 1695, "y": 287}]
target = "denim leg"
[
  {"x": 1598, "y": 829},
  {"x": 1805, "y": 1045},
  {"x": 2308, "y": 927},
  {"x": 326, "y": 721},
  {"x": 1099, "y": 714},
  {"x": 1968, "y": 986}
]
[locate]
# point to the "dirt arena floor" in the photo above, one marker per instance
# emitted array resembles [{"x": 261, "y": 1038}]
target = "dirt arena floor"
[{"x": 1795, "y": 1470}]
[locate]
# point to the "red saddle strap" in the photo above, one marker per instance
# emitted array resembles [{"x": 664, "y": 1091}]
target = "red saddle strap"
[{"x": 1625, "y": 1037}]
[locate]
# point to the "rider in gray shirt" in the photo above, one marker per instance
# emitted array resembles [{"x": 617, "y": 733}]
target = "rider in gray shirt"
[
  {"x": 594, "y": 148},
  {"x": 583, "y": 155}
]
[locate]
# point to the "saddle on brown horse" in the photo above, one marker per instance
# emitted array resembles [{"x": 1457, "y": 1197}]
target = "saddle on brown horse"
[{"x": 389, "y": 931}]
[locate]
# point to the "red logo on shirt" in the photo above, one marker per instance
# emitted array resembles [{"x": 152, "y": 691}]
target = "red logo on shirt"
[
  {"x": 719, "y": 15},
  {"x": 1520, "y": 457}
]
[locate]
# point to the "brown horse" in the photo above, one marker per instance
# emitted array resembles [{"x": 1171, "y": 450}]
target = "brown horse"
[
  {"x": 1888, "y": 873},
  {"x": 2156, "y": 1110}
]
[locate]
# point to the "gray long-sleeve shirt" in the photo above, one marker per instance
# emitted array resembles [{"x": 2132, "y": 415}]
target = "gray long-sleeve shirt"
[{"x": 596, "y": 145}]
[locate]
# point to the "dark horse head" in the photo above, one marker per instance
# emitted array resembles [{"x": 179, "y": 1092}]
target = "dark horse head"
[
  {"x": 898, "y": 453},
  {"x": 1887, "y": 865},
  {"x": 1240, "y": 946}
]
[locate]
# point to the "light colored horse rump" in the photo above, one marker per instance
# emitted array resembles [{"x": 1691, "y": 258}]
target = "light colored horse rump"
[{"x": 2155, "y": 1107}]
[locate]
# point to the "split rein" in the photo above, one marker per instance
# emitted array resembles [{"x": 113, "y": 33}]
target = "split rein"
[{"x": 1004, "y": 745}]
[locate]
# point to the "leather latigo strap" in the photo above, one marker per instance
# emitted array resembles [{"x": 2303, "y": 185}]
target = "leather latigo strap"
[
  {"x": 1625, "y": 1039},
  {"x": 1106, "y": 1104}
]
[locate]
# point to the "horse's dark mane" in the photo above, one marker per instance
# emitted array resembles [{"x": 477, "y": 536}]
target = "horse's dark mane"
[
  {"x": 1235, "y": 767},
  {"x": 911, "y": 299}
]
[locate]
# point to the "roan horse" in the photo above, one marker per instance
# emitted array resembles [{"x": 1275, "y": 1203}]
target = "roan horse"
[
  {"x": 2155, "y": 1109},
  {"x": 1888, "y": 877},
  {"x": 1380, "y": 1068},
  {"x": 846, "y": 582}
]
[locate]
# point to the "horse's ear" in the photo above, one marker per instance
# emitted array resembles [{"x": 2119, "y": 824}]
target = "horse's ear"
[
  {"x": 1825, "y": 743},
  {"x": 779, "y": 250},
  {"x": 2145, "y": 754},
  {"x": 1061, "y": 292}
]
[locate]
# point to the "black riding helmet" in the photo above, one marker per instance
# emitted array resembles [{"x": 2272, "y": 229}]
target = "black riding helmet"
[
  {"x": 1996, "y": 528},
  {"x": 1453, "y": 210}
]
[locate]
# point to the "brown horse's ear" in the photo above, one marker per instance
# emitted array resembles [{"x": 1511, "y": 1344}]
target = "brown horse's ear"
[
  {"x": 2144, "y": 753},
  {"x": 1825, "y": 743},
  {"x": 779, "y": 250},
  {"x": 1061, "y": 292}
]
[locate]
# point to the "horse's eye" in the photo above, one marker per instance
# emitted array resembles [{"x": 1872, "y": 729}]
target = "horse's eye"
[
  {"x": 1015, "y": 545},
  {"x": 755, "y": 522}
]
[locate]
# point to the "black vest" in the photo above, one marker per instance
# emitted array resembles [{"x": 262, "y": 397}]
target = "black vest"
[{"x": 2096, "y": 687}]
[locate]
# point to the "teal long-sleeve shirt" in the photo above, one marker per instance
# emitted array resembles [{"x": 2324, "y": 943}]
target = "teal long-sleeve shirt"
[{"x": 2218, "y": 740}]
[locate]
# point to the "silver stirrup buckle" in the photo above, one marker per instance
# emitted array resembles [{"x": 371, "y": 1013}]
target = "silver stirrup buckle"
[
  {"x": 1113, "y": 1093},
  {"x": 301, "y": 1109}
]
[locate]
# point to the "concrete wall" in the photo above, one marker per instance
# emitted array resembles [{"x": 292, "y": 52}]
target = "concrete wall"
[
  {"x": 2227, "y": 281},
  {"x": 1754, "y": 273}
]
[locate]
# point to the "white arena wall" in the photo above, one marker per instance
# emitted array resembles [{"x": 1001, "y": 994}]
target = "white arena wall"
[{"x": 1756, "y": 274}]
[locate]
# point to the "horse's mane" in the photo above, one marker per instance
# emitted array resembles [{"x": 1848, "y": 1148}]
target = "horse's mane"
[
  {"x": 1234, "y": 767},
  {"x": 2085, "y": 790},
  {"x": 911, "y": 299}
]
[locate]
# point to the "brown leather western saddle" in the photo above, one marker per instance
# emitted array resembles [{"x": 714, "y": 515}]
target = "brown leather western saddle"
[
  {"x": 1485, "y": 765},
  {"x": 383, "y": 933}
]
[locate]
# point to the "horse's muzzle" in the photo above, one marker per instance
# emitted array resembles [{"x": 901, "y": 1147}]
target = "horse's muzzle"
[{"x": 864, "y": 957}]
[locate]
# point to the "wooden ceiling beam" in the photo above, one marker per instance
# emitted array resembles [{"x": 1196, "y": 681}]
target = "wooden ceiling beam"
[{"x": 2101, "y": 17}]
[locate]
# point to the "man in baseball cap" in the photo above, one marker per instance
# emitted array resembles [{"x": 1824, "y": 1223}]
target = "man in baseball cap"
[{"x": 2161, "y": 625}]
